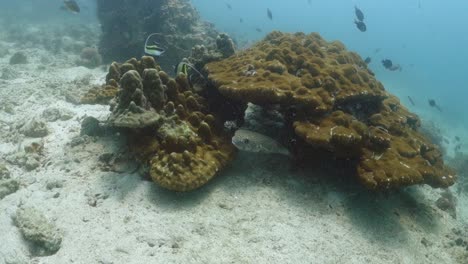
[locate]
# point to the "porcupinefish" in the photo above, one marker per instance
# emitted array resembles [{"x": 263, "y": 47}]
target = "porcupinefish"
[{"x": 250, "y": 141}]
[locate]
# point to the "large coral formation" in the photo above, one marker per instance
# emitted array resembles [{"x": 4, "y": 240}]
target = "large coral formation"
[
  {"x": 296, "y": 70},
  {"x": 169, "y": 125},
  {"x": 338, "y": 106},
  {"x": 126, "y": 24}
]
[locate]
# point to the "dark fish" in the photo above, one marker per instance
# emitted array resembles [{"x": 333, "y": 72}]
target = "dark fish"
[
  {"x": 433, "y": 103},
  {"x": 228, "y": 6},
  {"x": 359, "y": 13},
  {"x": 251, "y": 141},
  {"x": 387, "y": 63},
  {"x": 377, "y": 50},
  {"x": 458, "y": 147},
  {"x": 368, "y": 60},
  {"x": 241, "y": 20},
  {"x": 258, "y": 29},
  {"x": 72, "y": 6},
  {"x": 411, "y": 100},
  {"x": 457, "y": 138},
  {"x": 269, "y": 14},
  {"x": 309, "y": 1},
  {"x": 360, "y": 25}
]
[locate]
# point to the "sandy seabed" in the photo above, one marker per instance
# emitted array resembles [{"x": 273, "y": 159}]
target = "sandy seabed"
[{"x": 259, "y": 210}]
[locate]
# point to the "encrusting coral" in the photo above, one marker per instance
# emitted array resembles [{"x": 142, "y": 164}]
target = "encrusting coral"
[
  {"x": 100, "y": 94},
  {"x": 169, "y": 126},
  {"x": 337, "y": 106}
]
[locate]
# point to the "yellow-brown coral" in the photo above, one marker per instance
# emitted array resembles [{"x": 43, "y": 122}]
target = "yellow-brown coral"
[
  {"x": 99, "y": 94},
  {"x": 338, "y": 107},
  {"x": 296, "y": 69},
  {"x": 170, "y": 126}
]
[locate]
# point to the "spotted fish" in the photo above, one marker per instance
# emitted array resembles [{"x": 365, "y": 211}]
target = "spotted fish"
[{"x": 250, "y": 141}]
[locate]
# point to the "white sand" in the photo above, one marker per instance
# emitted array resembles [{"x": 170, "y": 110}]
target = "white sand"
[{"x": 251, "y": 213}]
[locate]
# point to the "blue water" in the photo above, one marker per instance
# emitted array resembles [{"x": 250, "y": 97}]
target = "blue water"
[
  {"x": 428, "y": 38},
  {"x": 46, "y": 11}
]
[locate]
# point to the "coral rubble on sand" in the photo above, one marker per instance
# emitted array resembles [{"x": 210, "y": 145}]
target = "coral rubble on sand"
[
  {"x": 334, "y": 104},
  {"x": 169, "y": 126},
  {"x": 44, "y": 237}
]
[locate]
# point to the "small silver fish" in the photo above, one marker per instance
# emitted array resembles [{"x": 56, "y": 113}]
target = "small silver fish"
[{"x": 251, "y": 141}]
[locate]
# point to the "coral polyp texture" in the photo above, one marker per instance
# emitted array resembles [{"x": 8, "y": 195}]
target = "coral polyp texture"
[
  {"x": 169, "y": 126},
  {"x": 299, "y": 70},
  {"x": 338, "y": 106}
]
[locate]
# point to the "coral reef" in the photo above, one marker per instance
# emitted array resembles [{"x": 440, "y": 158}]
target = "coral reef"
[
  {"x": 126, "y": 24},
  {"x": 202, "y": 54},
  {"x": 334, "y": 104},
  {"x": 169, "y": 126}
]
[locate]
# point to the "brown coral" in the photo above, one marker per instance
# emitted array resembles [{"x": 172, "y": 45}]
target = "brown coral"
[
  {"x": 304, "y": 71},
  {"x": 170, "y": 126},
  {"x": 339, "y": 107},
  {"x": 99, "y": 94}
]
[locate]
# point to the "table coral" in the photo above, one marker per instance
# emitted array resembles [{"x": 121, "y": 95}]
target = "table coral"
[
  {"x": 299, "y": 70},
  {"x": 334, "y": 104},
  {"x": 169, "y": 126}
]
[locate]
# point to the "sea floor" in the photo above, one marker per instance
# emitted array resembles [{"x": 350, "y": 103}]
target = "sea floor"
[{"x": 265, "y": 212}]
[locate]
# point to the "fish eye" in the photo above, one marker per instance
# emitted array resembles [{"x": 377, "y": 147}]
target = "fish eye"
[{"x": 246, "y": 141}]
